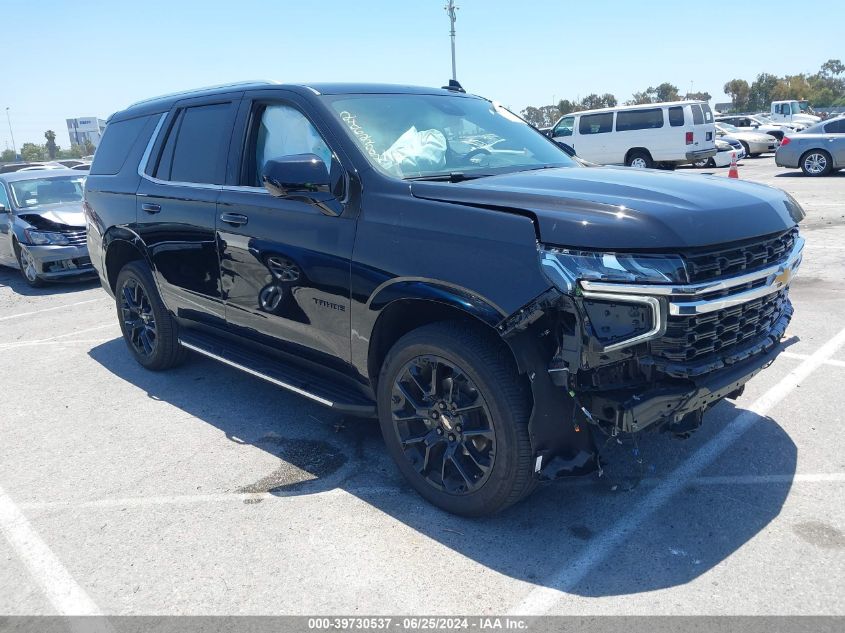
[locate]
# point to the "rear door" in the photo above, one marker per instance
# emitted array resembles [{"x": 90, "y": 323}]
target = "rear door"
[
  {"x": 177, "y": 205},
  {"x": 285, "y": 261},
  {"x": 835, "y": 131}
]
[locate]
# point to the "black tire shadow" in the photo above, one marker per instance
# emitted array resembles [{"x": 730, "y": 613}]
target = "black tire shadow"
[
  {"x": 319, "y": 450},
  {"x": 11, "y": 278}
]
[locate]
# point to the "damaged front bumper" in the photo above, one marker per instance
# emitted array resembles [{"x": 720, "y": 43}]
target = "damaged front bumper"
[
  {"x": 57, "y": 262},
  {"x": 612, "y": 359}
]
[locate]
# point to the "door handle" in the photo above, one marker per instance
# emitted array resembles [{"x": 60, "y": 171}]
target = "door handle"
[
  {"x": 150, "y": 207},
  {"x": 235, "y": 219}
]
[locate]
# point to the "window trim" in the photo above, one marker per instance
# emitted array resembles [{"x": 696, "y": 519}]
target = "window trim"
[
  {"x": 256, "y": 102},
  {"x": 157, "y": 136}
]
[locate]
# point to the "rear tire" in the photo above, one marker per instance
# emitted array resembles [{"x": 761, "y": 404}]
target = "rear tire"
[
  {"x": 816, "y": 162},
  {"x": 460, "y": 438},
  {"x": 639, "y": 159},
  {"x": 150, "y": 331}
]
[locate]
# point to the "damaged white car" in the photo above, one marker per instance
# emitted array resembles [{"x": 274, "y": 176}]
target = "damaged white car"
[{"x": 42, "y": 225}]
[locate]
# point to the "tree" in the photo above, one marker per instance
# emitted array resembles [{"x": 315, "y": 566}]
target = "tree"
[
  {"x": 760, "y": 95},
  {"x": 698, "y": 96},
  {"x": 832, "y": 67},
  {"x": 593, "y": 101},
  {"x": 739, "y": 91},
  {"x": 565, "y": 106},
  {"x": 660, "y": 93},
  {"x": 51, "y": 146},
  {"x": 89, "y": 147},
  {"x": 7, "y": 156},
  {"x": 33, "y": 152}
]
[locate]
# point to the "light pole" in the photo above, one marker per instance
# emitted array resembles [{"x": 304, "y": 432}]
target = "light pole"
[
  {"x": 451, "y": 10},
  {"x": 12, "y": 134}
]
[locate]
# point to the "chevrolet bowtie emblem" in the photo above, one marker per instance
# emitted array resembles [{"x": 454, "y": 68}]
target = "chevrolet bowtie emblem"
[{"x": 783, "y": 277}]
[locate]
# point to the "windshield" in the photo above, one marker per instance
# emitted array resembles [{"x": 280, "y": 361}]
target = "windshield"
[
  {"x": 408, "y": 136},
  {"x": 727, "y": 127},
  {"x": 38, "y": 191}
]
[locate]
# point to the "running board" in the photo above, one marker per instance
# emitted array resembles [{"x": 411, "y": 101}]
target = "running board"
[{"x": 287, "y": 376}]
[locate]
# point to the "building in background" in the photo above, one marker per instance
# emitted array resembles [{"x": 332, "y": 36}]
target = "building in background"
[{"x": 85, "y": 129}]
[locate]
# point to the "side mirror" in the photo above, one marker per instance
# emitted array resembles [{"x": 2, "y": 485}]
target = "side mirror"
[
  {"x": 2, "y": 208},
  {"x": 303, "y": 177}
]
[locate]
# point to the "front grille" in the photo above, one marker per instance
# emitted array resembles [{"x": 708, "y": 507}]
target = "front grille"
[
  {"x": 739, "y": 258},
  {"x": 700, "y": 343},
  {"x": 76, "y": 237}
]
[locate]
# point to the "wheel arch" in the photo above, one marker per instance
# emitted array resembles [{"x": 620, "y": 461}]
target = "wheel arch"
[
  {"x": 121, "y": 247},
  {"x": 404, "y": 306},
  {"x": 637, "y": 149}
]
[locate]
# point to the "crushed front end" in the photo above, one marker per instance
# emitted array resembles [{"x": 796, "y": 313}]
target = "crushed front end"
[{"x": 648, "y": 341}]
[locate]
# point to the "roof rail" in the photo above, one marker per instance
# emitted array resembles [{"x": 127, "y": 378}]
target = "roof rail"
[{"x": 186, "y": 93}]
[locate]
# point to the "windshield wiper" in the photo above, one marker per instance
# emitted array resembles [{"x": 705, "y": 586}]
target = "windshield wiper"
[{"x": 455, "y": 176}]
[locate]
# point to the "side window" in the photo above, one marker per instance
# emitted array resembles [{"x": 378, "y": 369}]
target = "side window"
[
  {"x": 564, "y": 127},
  {"x": 708, "y": 113},
  {"x": 118, "y": 139},
  {"x": 676, "y": 116},
  {"x": 596, "y": 123},
  {"x": 835, "y": 127},
  {"x": 646, "y": 119},
  {"x": 4, "y": 198},
  {"x": 285, "y": 131},
  {"x": 697, "y": 115},
  {"x": 195, "y": 145}
]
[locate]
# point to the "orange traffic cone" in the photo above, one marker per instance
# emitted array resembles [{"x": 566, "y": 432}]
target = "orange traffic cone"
[{"x": 733, "y": 172}]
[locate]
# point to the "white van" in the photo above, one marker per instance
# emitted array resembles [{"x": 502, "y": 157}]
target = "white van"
[{"x": 650, "y": 135}]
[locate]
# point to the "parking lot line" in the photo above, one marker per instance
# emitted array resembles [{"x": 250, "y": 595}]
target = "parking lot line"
[
  {"x": 543, "y": 597},
  {"x": 61, "y": 307},
  {"x": 66, "y": 596},
  {"x": 55, "y": 338},
  {"x": 795, "y": 356}
]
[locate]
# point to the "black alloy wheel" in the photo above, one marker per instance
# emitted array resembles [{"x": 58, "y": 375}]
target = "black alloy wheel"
[
  {"x": 443, "y": 425},
  {"x": 150, "y": 331},
  {"x": 138, "y": 317}
]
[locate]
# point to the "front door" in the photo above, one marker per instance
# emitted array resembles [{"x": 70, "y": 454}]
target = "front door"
[
  {"x": 177, "y": 207},
  {"x": 285, "y": 263}
]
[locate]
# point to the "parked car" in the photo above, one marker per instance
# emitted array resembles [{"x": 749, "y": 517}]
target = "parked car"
[
  {"x": 70, "y": 163},
  {"x": 818, "y": 150},
  {"x": 790, "y": 111},
  {"x": 42, "y": 227},
  {"x": 500, "y": 308},
  {"x": 753, "y": 123},
  {"x": 754, "y": 143},
  {"x": 653, "y": 135},
  {"x": 82, "y": 167},
  {"x": 725, "y": 153}
]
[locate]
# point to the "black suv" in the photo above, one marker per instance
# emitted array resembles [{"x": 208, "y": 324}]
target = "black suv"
[{"x": 425, "y": 256}]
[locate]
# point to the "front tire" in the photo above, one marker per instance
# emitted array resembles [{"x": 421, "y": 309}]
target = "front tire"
[
  {"x": 29, "y": 269},
  {"x": 816, "y": 162},
  {"x": 149, "y": 330},
  {"x": 454, "y": 415}
]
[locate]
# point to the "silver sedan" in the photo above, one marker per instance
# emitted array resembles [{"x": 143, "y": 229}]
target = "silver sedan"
[{"x": 818, "y": 150}]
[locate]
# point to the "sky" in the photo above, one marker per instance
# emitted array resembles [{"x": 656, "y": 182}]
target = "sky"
[{"x": 86, "y": 58}]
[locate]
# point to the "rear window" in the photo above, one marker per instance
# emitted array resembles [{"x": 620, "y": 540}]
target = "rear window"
[
  {"x": 596, "y": 123},
  {"x": 639, "y": 119},
  {"x": 115, "y": 145},
  {"x": 697, "y": 115},
  {"x": 195, "y": 145},
  {"x": 708, "y": 113}
]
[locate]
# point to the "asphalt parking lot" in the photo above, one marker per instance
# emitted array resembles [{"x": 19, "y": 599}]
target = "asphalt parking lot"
[{"x": 206, "y": 491}]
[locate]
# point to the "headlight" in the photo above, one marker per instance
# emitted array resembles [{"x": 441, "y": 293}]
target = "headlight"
[
  {"x": 564, "y": 268},
  {"x": 41, "y": 238}
]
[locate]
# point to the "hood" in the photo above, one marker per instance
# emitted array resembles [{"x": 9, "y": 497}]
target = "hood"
[
  {"x": 620, "y": 208},
  {"x": 64, "y": 213},
  {"x": 752, "y": 137}
]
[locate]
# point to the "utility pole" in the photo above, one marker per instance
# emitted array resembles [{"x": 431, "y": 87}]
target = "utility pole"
[
  {"x": 12, "y": 134},
  {"x": 451, "y": 10}
]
